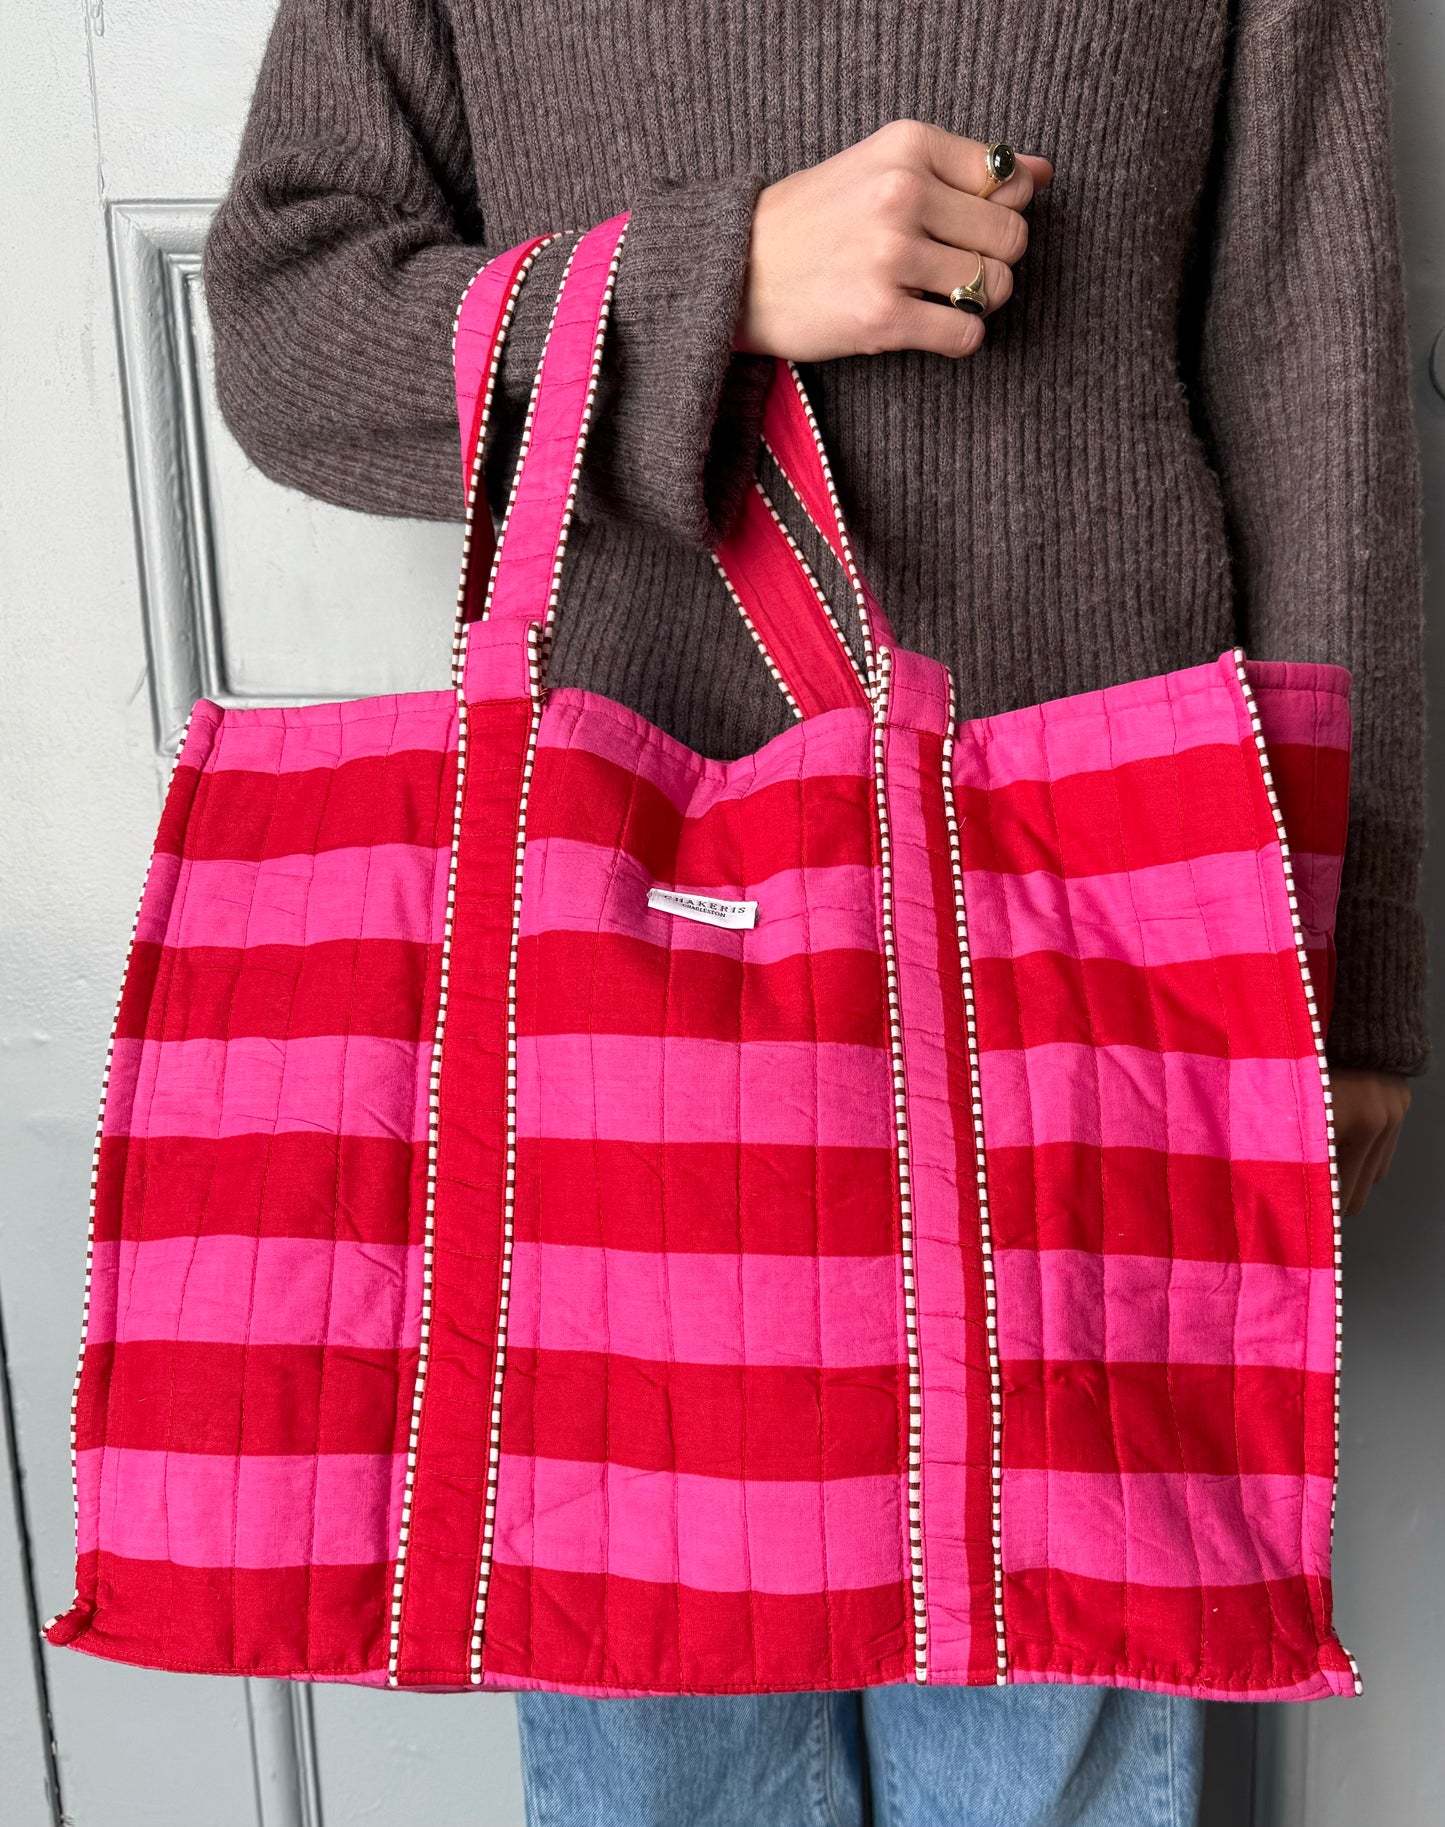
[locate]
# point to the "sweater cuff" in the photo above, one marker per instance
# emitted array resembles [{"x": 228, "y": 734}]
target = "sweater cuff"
[
  {"x": 1379, "y": 1021},
  {"x": 677, "y": 439}
]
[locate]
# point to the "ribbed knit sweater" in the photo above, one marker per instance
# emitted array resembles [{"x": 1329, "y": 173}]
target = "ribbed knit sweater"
[{"x": 1189, "y": 427}]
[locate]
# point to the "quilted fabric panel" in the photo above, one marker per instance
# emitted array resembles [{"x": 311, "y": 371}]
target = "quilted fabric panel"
[
  {"x": 703, "y": 1451},
  {"x": 1160, "y": 1191},
  {"x": 255, "y": 1284}
]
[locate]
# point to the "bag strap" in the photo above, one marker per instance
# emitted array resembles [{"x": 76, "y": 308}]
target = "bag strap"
[
  {"x": 483, "y": 319},
  {"x": 768, "y": 578},
  {"x": 791, "y": 435}
]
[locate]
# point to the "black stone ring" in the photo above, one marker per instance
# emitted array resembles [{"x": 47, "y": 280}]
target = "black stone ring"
[
  {"x": 999, "y": 164},
  {"x": 971, "y": 298}
]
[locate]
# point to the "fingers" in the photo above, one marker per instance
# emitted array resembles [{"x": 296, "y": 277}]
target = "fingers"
[
  {"x": 961, "y": 164},
  {"x": 1353, "y": 1195},
  {"x": 957, "y": 220},
  {"x": 937, "y": 328},
  {"x": 938, "y": 269},
  {"x": 1369, "y": 1110}
]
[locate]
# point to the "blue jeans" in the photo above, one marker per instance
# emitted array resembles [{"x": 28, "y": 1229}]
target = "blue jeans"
[{"x": 895, "y": 1756}]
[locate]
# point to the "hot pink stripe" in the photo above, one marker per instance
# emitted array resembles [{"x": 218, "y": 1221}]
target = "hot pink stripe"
[
  {"x": 1130, "y": 1097},
  {"x": 1104, "y": 729},
  {"x": 1301, "y": 702},
  {"x": 946, "y": 1376},
  {"x": 639, "y": 1088},
  {"x": 696, "y": 1308},
  {"x": 252, "y": 1510},
  {"x": 387, "y": 891},
  {"x": 1166, "y": 1528},
  {"x": 1169, "y": 913},
  {"x": 576, "y": 887},
  {"x": 229, "y": 1290},
  {"x": 289, "y": 740},
  {"x": 1074, "y": 1304},
  {"x": 836, "y": 743},
  {"x": 712, "y": 1534},
  {"x": 355, "y": 1085}
]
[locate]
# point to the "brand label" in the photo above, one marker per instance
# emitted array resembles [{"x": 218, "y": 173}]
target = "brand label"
[{"x": 703, "y": 908}]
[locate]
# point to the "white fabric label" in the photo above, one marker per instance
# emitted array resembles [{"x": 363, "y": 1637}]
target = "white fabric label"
[{"x": 703, "y": 908}]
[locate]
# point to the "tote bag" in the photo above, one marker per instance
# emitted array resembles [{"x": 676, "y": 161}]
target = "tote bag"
[{"x": 572, "y": 1213}]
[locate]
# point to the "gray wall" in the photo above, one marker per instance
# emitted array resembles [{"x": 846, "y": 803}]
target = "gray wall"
[{"x": 1381, "y": 1759}]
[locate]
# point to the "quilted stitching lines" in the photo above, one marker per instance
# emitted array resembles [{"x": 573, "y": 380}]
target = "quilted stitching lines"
[
  {"x": 905, "y": 1197},
  {"x": 995, "y": 1394}
]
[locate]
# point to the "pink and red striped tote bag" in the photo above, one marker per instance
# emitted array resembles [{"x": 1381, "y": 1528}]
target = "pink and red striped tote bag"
[{"x": 570, "y": 1213}]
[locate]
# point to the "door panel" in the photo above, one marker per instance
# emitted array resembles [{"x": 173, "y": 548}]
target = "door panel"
[{"x": 149, "y": 562}]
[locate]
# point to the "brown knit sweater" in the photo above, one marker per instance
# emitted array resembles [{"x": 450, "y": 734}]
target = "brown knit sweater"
[{"x": 1189, "y": 427}]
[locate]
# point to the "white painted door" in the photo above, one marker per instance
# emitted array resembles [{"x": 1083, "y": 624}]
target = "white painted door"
[{"x": 143, "y": 561}]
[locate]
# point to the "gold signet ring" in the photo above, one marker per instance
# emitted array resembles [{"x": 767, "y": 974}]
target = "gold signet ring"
[{"x": 971, "y": 298}]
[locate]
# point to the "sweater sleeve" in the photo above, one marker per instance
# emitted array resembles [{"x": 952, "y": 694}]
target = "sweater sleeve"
[
  {"x": 334, "y": 266},
  {"x": 1305, "y": 393}
]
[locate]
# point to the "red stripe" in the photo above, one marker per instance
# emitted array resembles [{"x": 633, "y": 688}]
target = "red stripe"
[
  {"x": 283, "y": 1621},
  {"x": 404, "y": 798},
  {"x": 1228, "y": 1007},
  {"x": 1225, "y": 1638},
  {"x": 605, "y": 983},
  {"x": 816, "y": 822},
  {"x": 180, "y": 802},
  {"x": 708, "y": 1196},
  {"x": 1072, "y": 1196},
  {"x": 1164, "y": 810},
  {"x": 444, "y": 1554},
  {"x": 336, "y": 986},
  {"x": 1313, "y": 786},
  {"x": 590, "y": 1629},
  {"x": 362, "y": 1188},
  {"x": 203, "y": 1398},
  {"x": 718, "y": 1420},
  {"x": 1209, "y": 1418}
]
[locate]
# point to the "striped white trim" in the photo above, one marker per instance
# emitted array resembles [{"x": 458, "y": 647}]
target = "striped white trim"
[
  {"x": 95, "y": 1179},
  {"x": 815, "y": 586},
  {"x": 905, "y": 1180},
  {"x": 758, "y": 641},
  {"x": 1319, "y": 1039},
  {"x": 990, "y": 1298},
  {"x": 850, "y": 564}
]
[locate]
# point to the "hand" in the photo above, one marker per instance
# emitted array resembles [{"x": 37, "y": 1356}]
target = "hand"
[
  {"x": 843, "y": 252},
  {"x": 1369, "y": 1109}
]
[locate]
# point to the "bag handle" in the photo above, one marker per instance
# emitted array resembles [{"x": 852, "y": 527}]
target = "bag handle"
[
  {"x": 479, "y": 332},
  {"x": 767, "y": 576}
]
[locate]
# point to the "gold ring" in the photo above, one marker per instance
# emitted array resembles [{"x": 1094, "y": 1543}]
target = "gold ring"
[
  {"x": 999, "y": 165},
  {"x": 971, "y": 298}
]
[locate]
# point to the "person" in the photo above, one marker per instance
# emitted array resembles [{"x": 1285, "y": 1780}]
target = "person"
[{"x": 1180, "y": 422}]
